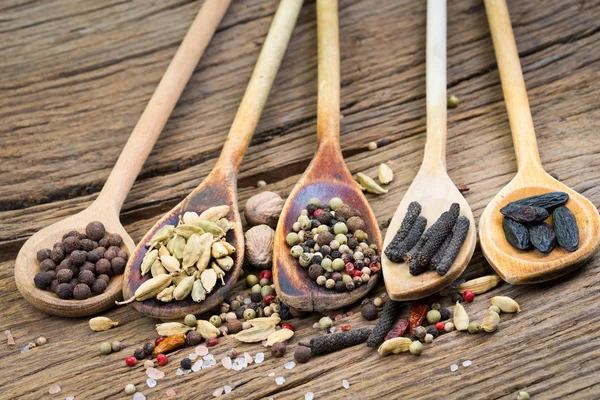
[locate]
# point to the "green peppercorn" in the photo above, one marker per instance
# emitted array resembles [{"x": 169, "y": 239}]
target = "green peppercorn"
[
  {"x": 215, "y": 320},
  {"x": 266, "y": 291},
  {"x": 251, "y": 280},
  {"x": 264, "y": 282},
  {"x": 105, "y": 348},
  {"x": 322, "y": 228},
  {"x": 335, "y": 203},
  {"x": 305, "y": 223},
  {"x": 329, "y": 283},
  {"x": 416, "y": 348},
  {"x": 360, "y": 235},
  {"x": 305, "y": 259},
  {"x": 523, "y": 395},
  {"x": 249, "y": 314},
  {"x": 453, "y": 101},
  {"x": 327, "y": 264},
  {"x": 256, "y": 288},
  {"x": 292, "y": 239},
  {"x": 346, "y": 278},
  {"x": 337, "y": 264},
  {"x": 325, "y": 323},
  {"x": 315, "y": 201},
  {"x": 434, "y": 316},
  {"x": 436, "y": 306},
  {"x": 341, "y": 239},
  {"x": 474, "y": 327},
  {"x": 340, "y": 227},
  {"x": 495, "y": 309},
  {"x": 190, "y": 320},
  {"x": 296, "y": 251}
]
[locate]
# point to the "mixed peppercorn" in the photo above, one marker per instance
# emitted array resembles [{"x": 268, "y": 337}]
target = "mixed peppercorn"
[{"x": 330, "y": 241}]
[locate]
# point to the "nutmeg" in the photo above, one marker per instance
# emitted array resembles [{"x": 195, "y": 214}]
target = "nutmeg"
[
  {"x": 259, "y": 246},
  {"x": 264, "y": 208}
]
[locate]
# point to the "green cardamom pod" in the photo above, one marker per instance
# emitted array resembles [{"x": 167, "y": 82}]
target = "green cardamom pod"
[
  {"x": 192, "y": 251},
  {"x": 189, "y": 216},
  {"x": 220, "y": 273},
  {"x": 368, "y": 184},
  {"x": 149, "y": 289},
  {"x": 209, "y": 226},
  {"x": 179, "y": 277},
  {"x": 225, "y": 263},
  {"x": 198, "y": 292},
  {"x": 178, "y": 247},
  {"x": 163, "y": 251},
  {"x": 225, "y": 224},
  {"x": 213, "y": 214},
  {"x": 219, "y": 250},
  {"x": 209, "y": 279},
  {"x": 188, "y": 230},
  {"x": 228, "y": 246},
  {"x": 157, "y": 269},
  {"x": 148, "y": 260},
  {"x": 166, "y": 295},
  {"x": 170, "y": 263},
  {"x": 163, "y": 235},
  {"x": 206, "y": 242},
  {"x": 184, "y": 288},
  {"x": 385, "y": 174}
]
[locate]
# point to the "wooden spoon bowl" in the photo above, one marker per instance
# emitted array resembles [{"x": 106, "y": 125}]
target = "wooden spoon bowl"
[
  {"x": 516, "y": 266},
  {"x": 27, "y": 265},
  {"x": 326, "y": 177}
]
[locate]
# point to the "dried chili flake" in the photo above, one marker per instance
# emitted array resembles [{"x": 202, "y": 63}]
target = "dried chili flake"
[
  {"x": 417, "y": 315},
  {"x": 398, "y": 329}
]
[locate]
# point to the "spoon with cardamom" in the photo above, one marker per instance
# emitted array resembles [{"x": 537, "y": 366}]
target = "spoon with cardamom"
[
  {"x": 108, "y": 204},
  {"x": 521, "y": 266},
  {"x": 191, "y": 258},
  {"x": 326, "y": 178},
  {"x": 409, "y": 276}
]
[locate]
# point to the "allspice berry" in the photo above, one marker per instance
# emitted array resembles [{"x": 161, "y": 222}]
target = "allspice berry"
[
  {"x": 302, "y": 354},
  {"x": 355, "y": 223},
  {"x": 87, "y": 277},
  {"x": 234, "y": 326},
  {"x": 103, "y": 266},
  {"x": 118, "y": 265},
  {"x": 42, "y": 280},
  {"x": 95, "y": 230},
  {"x": 47, "y": 265},
  {"x": 193, "y": 338},
  {"x": 43, "y": 254},
  {"x": 64, "y": 291},
  {"x": 115, "y": 240},
  {"x": 71, "y": 244},
  {"x": 64, "y": 275},
  {"x": 264, "y": 208},
  {"x": 259, "y": 246},
  {"x": 82, "y": 291},
  {"x": 99, "y": 286},
  {"x": 369, "y": 312},
  {"x": 278, "y": 350}
]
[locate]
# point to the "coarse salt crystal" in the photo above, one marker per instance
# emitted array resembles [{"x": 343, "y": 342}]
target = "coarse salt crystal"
[
  {"x": 171, "y": 393},
  {"x": 208, "y": 357},
  {"x": 139, "y": 396},
  {"x": 155, "y": 373},
  {"x": 271, "y": 373},
  {"x": 332, "y": 329},
  {"x": 218, "y": 392},
  {"x": 201, "y": 350},
  {"x": 196, "y": 367},
  {"x": 193, "y": 356},
  {"x": 259, "y": 357},
  {"x": 10, "y": 340},
  {"x": 345, "y": 384},
  {"x": 54, "y": 389},
  {"x": 70, "y": 398},
  {"x": 309, "y": 396},
  {"x": 150, "y": 382},
  {"x": 24, "y": 349},
  {"x": 247, "y": 301},
  {"x": 280, "y": 380},
  {"x": 227, "y": 388},
  {"x": 454, "y": 368},
  {"x": 248, "y": 358},
  {"x": 467, "y": 363},
  {"x": 179, "y": 371},
  {"x": 289, "y": 365},
  {"x": 226, "y": 362},
  {"x": 236, "y": 367}
]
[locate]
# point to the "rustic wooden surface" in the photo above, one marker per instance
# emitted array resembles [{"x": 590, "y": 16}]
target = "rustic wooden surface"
[{"x": 76, "y": 76}]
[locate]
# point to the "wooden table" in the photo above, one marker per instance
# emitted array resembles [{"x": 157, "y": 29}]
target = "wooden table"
[{"x": 76, "y": 76}]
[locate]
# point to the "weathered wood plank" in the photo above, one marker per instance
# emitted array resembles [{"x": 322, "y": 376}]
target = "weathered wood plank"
[{"x": 76, "y": 76}]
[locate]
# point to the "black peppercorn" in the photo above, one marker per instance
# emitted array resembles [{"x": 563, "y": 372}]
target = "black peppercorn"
[
  {"x": 316, "y": 259},
  {"x": 350, "y": 286},
  {"x": 103, "y": 266},
  {"x": 95, "y": 230},
  {"x": 42, "y": 280},
  {"x": 335, "y": 254},
  {"x": 43, "y": 254},
  {"x": 347, "y": 258},
  {"x": 311, "y": 208},
  {"x": 308, "y": 249},
  {"x": 64, "y": 275},
  {"x": 325, "y": 250},
  {"x": 278, "y": 350},
  {"x": 87, "y": 277},
  {"x": 255, "y": 297},
  {"x": 115, "y": 240},
  {"x": 327, "y": 209},
  {"x": 139, "y": 354},
  {"x": 186, "y": 363},
  {"x": 352, "y": 243},
  {"x": 285, "y": 313},
  {"x": 87, "y": 245},
  {"x": 47, "y": 265},
  {"x": 359, "y": 264},
  {"x": 148, "y": 348},
  {"x": 311, "y": 243},
  {"x": 432, "y": 330},
  {"x": 118, "y": 265},
  {"x": 445, "y": 313},
  {"x": 314, "y": 271},
  {"x": 78, "y": 257},
  {"x": 369, "y": 312},
  {"x": 99, "y": 285},
  {"x": 64, "y": 291},
  {"x": 239, "y": 312},
  {"x": 81, "y": 291}
]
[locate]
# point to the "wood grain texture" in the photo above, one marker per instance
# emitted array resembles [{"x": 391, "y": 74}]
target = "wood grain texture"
[{"x": 77, "y": 75}]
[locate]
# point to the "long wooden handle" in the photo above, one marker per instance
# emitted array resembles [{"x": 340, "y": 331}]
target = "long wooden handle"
[
  {"x": 328, "y": 103},
  {"x": 435, "y": 147},
  {"x": 260, "y": 84},
  {"x": 513, "y": 84},
  {"x": 160, "y": 106}
]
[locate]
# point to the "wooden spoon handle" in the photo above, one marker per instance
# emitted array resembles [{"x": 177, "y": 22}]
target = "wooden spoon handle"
[
  {"x": 513, "y": 84},
  {"x": 435, "y": 147},
  {"x": 260, "y": 84},
  {"x": 160, "y": 106},
  {"x": 328, "y": 108}
]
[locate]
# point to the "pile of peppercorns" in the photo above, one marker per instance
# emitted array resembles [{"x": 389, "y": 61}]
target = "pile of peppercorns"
[
  {"x": 81, "y": 265},
  {"x": 331, "y": 242}
]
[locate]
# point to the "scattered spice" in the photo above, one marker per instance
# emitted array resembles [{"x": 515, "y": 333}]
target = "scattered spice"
[
  {"x": 105, "y": 348},
  {"x": 453, "y": 101},
  {"x": 10, "y": 340},
  {"x": 337, "y": 341},
  {"x": 385, "y": 174},
  {"x": 474, "y": 327},
  {"x": 506, "y": 304},
  {"x": 264, "y": 209},
  {"x": 162, "y": 359},
  {"x": 99, "y": 324},
  {"x": 463, "y": 188},
  {"x": 461, "y": 318},
  {"x": 372, "y": 146},
  {"x": 302, "y": 354},
  {"x": 479, "y": 285},
  {"x": 523, "y": 395},
  {"x": 416, "y": 348},
  {"x": 130, "y": 361},
  {"x": 455, "y": 241},
  {"x": 394, "y": 346},
  {"x": 490, "y": 321},
  {"x": 417, "y": 315},
  {"x": 468, "y": 296},
  {"x": 368, "y": 184},
  {"x": 278, "y": 350},
  {"x": 169, "y": 344},
  {"x": 369, "y": 312},
  {"x": 130, "y": 389},
  {"x": 398, "y": 329},
  {"x": 259, "y": 246},
  {"x": 396, "y": 250},
  {"x": 390, "y": 312}
]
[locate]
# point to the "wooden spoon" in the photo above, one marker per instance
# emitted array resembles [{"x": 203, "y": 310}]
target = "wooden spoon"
[
  {"x": 326, "y": 177},
  {"x": 432, "y": 187},
  {"x": 110, "y": 200},
  {"x": 515, "y": 266},
  {"x": 220, "y": 186}
]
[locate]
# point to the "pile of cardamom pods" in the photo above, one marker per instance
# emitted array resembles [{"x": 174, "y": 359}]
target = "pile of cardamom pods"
[{"x": 195, "y": 254}]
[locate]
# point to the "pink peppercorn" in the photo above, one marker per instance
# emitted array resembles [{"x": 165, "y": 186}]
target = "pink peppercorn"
[
  {"x": 269, "y": 299},
  {"x": 266, "y": 274},
  {"x": 287, "y": 326},
  {"x": 130, "y": 361},
  {"x": 158, "y": 340},
  {"x": 440, "y": 326},
  {"x": 349, "y": 268},
  {"x": 375, "y": 266},
  {"x": 161, "y": 359},
  {"x": 346, "y": 327},
  {"x": 468, "y": 296},
  {"x": 317, "y": 212},
  {"x": 212, "y": 342},
  {"x": 356, "y": 273}
]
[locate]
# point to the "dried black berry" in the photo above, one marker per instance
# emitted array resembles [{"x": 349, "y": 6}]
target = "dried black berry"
[
  {"x": 445, "y": 314},
  {"x": 54, "y": 285},
  {"x": 43, "y": 254},
  {"x": 194, "y": 338},
  {"x": 87, "y": 244},
  {"x": 324, "y": 218},
  {"x": 340, "y": 286},
  {"x": 285, "y": 312},
  {"x": 115, "y": 240},
  {"x": 325, "y": 250},
  {"x": 542, "y": 237},
  {"x": 324, "y": 238},
  {"x": 314, "y": 223},
  {"x": 311, "y": 208},
  {"x": 71, "y": 244},
  {"x": 42, "y": 280},
  {"x": 47, "y": 265},
  {"x": 78, "y": 257},
  {"x": 239, "y": 312},
  {"x": 99, "y": 286},
  {"x": 311, "y": 243},
  {"x": 523, "y": 213},
  {"x": 255, "y": 297},
  {"x": 148, "y": 348},
  {"x": 104, "y": 277},
  {"x": 139, "y": 354},
  {"x": 278, "y": 350},
  {"x": 103, "y": 242},
  {"x": 336, "y": 254},
  {"x": 186, "y": 363},
  {"x": 110, "y": 254},
  {"x": 81, "y": 291},
  {"x": 87, "y": 277},
  {"x": 95, "y": 230},
  {"x": 369, "y": 312},
  {"x": 64, "y": 291},
  {"x": 57, "y": 254},
  {"x": 516, "y": 234},
  {"x": 302, "y": 354},
  {"x": 123, "y": 254},
  {"x": 314, "y": 271},
  {"x": 118, "y": 265},
  {"x": 459, "y": 234},
  {"x": 103, "y": 266},
  {"x": 432, "y": 330},
  {"x": 565, "y": 226},
  {"x": 88, "y": 266},
  {"x": 64, "y": 275},
  {"x": 549, "y": 201}
]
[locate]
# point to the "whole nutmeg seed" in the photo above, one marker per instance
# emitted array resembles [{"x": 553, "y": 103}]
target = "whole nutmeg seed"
[
  {"x": 259, "y": 246},
  {"x": 264, "y": 208}
]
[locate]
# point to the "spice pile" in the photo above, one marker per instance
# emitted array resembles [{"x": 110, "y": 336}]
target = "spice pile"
[
  {"x": 331, "y": 242},
  {"x": 187, "y": 259},
  {"x": 524, "y": 225},
  {"x": 433, "y": 249},
  {"x": 81, "y": 265}
]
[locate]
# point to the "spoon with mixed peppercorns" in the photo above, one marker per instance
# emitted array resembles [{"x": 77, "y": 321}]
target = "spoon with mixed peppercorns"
[
  {"x": 531, "y": 189},
  {"x": 431, "y": 237},
  {"x": 325, "y": 189},
  {"x": 107, "y": 205}
]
